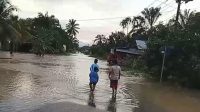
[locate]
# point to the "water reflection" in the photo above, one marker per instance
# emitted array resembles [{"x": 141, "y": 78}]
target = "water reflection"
[
  {"x": 112, "y": 104},
  {"x": 7, "y": 83},
  {"x": 91, "y": 100}
]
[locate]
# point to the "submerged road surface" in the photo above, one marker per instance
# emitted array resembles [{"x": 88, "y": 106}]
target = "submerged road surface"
[{"x": 29, "y": 83}]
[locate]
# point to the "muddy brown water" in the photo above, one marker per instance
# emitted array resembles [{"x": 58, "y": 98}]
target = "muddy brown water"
[{"x": 28, "y": 82}]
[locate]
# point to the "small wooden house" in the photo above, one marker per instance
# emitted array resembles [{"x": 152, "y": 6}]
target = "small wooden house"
[{"x": 124, "y": 54}]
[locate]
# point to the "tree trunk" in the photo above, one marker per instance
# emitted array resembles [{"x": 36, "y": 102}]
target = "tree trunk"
[
  {"x": 178, "y": 11},
  {"x": 127, "y": 30}
]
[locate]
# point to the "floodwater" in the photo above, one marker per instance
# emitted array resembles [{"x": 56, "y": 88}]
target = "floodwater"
[{"x": 28, "y": 82}]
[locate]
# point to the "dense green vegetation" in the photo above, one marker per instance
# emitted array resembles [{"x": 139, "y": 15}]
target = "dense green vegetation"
[
  {"x": 43, "y": 34},
  {"x": 181, "y": 38},
  {"x": 183, "y": 53}
]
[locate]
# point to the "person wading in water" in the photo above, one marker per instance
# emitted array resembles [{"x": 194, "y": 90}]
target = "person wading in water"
[{"x": 114, "y": 76}]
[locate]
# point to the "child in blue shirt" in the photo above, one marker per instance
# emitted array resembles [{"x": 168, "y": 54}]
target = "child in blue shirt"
[
  {"x": 93, "y": 78},
  {"x": 94, "y": 65}
]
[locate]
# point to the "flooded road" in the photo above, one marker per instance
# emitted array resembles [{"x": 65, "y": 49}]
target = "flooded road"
[{"x": 28, "y": 82}]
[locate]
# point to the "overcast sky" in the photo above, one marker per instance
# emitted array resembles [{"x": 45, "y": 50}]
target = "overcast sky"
[{"x": 82, "y": 10}]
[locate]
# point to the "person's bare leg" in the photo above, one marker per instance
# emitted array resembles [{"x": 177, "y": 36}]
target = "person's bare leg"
[
  {"x": 115, "y": 92},
  {"x": 90, "y": 87},
  {"x": 93, "y": 87}
]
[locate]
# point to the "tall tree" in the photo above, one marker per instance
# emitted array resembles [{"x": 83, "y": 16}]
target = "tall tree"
[
  {"x": 151, "y": 15},
  {"x": 118, "y": 39},
  {"x": 100, "y": 39},
  {"x": 185, "y": 16},
  {"x": 128, "y": 22},
  {"x": 72, "y": 28},
  {"x": 138, "y": 25},
  {"x": 46, "y": 21},
  {"x": 6, "y": 9},
  {"x": 125, "y": 23},
  {"x": 179, "y": 7},
  {"x": 7, "y": 30}
]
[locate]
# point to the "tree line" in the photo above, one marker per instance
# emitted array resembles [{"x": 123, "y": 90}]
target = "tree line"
[{"x": 43, "y": 34}]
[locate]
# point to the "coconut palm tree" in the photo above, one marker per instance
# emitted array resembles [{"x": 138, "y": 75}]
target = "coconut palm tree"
[
  {"x": 72, "y": 28},
  {"x": 100, "y": 39},
  {"x": 111, "y": 41},
  {"x": 6, "y": 9},
  {"x": 138, "y": 24},
  {"x": 46, "y": 21},
  {"x": 128, "y": 22},
  {"x": 118, "y": 39},
  {"x": 185, "y": 17},
  {"x": 179, "y": 2},
  {"x": 151, "y": 15},
  {"x": 7, "y": 30},
  {"x": 125, "y": 23}
]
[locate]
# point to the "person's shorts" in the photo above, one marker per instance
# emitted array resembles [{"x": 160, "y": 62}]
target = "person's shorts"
[
  {"x": 114, "y": 84},
  {"x": 94, "y": 83}
]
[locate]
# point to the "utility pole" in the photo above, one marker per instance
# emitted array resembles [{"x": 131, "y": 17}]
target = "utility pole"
[{"x": 163, "y": 64}]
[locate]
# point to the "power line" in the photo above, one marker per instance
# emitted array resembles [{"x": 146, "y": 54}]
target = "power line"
[
  {"x": 112, "y": 18},
  {"x": 169, "y": 4},
  {"x": 161, "y": 3},
  {"x": 103, "y": 18},
  {"x": 152, "y": 3},
  {"x": 148, "y": 6},
  {"x": 169, "y": 18},
  {"x": 168, "y": 11},
  {"x": 165, "y": 11},
  {"x": 165, "y": 2},
  {"x": 116, "y": 17},
  {"x": 98, "y": 19}
]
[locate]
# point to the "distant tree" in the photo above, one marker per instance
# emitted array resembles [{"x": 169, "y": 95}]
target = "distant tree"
[
  {"x": 46, "y": 21},
  {"x": 118, "y": 39},
  {"x": 125, "y": 23},
  {"x": 151, "y": 15},
  {"x": 138, "y": 25},
  {"x": 100, "y": 39}
]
